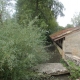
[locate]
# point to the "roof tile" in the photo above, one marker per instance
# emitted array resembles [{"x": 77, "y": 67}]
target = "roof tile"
[{"x": 63, "y": 32}]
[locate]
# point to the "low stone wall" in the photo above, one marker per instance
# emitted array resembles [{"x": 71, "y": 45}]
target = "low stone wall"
[{"x": 72, "y": 58}]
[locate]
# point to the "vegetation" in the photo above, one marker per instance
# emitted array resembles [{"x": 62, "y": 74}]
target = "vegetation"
[
  {"x": 74, "y": 70},
  {"x": 69, "y": 26},
  {"x": 20, "y": 49},
  {"x": 22, "y": 36},
  {"x": 46, "y": 11},
  {"x": 6, "y": 7}
]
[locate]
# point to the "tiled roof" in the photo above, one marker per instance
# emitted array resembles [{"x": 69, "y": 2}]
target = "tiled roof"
[{"x": 62, "y": 33}]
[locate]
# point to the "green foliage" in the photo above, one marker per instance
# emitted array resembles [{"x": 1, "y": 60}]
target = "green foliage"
[
  {"x": 22, "y": 45},
  {"x": 69, "y": 26},
  {"x": 74, "y": 70},
  {"x": 4, "y": 11},
  {"x": 46, "y": 11},
  {"x": 21, "y": 48},
  {"x": 58, "y": 28}
]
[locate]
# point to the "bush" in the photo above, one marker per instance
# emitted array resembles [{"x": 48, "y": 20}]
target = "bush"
[{"x": 21, "y": 47}]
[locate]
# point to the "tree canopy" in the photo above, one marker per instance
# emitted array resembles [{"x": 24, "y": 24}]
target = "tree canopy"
[
  {"x": 46, "y": 11},
  {"x": 69, "y": 26},
  {"x": 6, "y": 9}
]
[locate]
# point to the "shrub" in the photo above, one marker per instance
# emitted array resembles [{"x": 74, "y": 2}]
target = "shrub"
[{"x": 21, "y": 47}]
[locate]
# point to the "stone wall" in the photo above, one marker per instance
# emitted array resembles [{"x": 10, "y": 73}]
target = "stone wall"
[
  {"x": 72, "y": 58},
  {"x": 72, "y": 43}
]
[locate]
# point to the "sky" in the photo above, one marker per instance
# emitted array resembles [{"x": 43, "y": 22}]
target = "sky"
[{"x": 71, "y": 7}]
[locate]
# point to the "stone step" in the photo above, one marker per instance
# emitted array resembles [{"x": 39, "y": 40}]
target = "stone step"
[{"x": 51, "y": 69}]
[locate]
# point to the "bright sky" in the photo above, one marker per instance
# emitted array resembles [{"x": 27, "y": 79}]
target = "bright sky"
[{"x": 71, "y": 6}]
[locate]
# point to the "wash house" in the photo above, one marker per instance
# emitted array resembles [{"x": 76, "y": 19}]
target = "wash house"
[{"x": 67, "y": 41}]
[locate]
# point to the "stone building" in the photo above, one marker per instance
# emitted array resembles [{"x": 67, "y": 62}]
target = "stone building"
[{"x": 67, "y": 41}]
